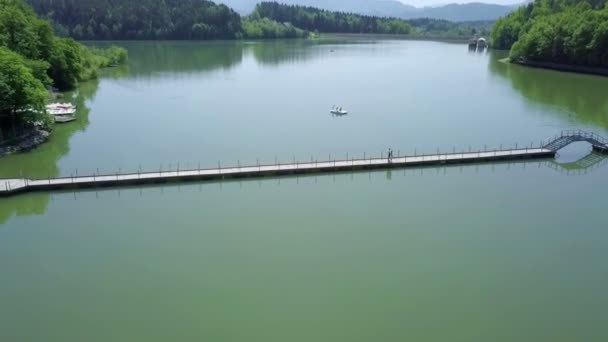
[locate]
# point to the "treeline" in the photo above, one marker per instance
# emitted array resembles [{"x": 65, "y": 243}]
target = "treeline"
[
  {"x": 318, "y": 20},
  {"x": 264, "y": 28},
  {"x": 32, "y": 58},
  {"x": 556, "y": 31},
  {"x": 314, "y": 19},
  {"x": 201, "y": 19},
  {"x": 141, "y": 19},
  {"x": 443, "y": 29}
]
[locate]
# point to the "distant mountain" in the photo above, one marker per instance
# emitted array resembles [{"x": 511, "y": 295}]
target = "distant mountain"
[
  {"x": 467, "y": 12},
  {"x": 392, "y": 8},
  {"x": 354, "y": 6}
]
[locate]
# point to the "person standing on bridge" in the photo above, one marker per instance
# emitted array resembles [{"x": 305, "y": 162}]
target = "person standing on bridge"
[{"x": 390, "y": 155}]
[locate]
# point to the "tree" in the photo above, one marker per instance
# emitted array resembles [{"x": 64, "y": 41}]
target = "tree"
[
  {"x": 556, "y": 31},
  {"x": 32, "y": 57},
  {"x": 66, "y": 63},
  {"x": 311, "y": 19},
  {"x": 142, "y": 19},
  {"x": 20, "y": 91}
]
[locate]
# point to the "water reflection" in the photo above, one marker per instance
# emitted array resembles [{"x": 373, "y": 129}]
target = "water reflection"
[
  {"x": 155, "y": 59},
  {"x": 279, "y": 52},
  {"x": 578, "y": 97},
  {"x": 587, "y": 163},
  {"x": 27, "y": 205}
]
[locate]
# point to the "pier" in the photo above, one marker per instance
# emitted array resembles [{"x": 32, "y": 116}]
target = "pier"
[{"x": 548, "y": 149}]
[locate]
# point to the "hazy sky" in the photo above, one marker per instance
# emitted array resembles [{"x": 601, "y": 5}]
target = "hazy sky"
[{"x": 422, "y": 3}]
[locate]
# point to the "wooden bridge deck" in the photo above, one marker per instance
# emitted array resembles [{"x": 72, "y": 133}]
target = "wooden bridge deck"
[{"x": 13, "y": 186}]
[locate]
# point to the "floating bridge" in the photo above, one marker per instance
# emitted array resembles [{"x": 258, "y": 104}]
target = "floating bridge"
[{"x": 547, "y": 149}]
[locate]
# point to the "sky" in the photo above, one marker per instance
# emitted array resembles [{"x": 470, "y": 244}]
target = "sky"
[{"x": 422, "y": 3}]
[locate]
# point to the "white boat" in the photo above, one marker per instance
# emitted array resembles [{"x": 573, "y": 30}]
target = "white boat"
[
  {"x": 58, "y": 111},
  {"x": 338, "y": 111},
  {"x": 60, "y": 106},
  {"x": 64, "y": 118}
]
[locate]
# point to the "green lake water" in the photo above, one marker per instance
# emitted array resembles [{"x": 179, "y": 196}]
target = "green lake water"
[{"x": 495, "y": 252}]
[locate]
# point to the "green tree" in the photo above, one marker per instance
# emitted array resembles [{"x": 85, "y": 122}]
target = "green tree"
[
  {"x": 20, "y": 91},
  {"x": 142, "y": 19},
  {"x": 556, "y": 31},
  {"x": 66, "y": 63}
]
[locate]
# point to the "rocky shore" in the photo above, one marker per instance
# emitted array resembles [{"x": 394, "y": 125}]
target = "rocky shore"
[{"x": 26, "y": 142}]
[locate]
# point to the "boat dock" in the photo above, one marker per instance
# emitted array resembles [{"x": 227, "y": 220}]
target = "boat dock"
[{"x": 547, "y": 150}]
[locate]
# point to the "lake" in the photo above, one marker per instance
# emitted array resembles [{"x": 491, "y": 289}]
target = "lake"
[{"x": 502, "y": 252}]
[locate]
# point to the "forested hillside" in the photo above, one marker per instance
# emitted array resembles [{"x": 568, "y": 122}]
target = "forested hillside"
[
  {"x": 557, "y": 31},
  {"x": 311, "y": 19},
  {"x": 314, "y": 19},
  {"x": 201, "y": 19},
  {"x": 141, "y": 19},
  {"x": 473, "y": 11}
]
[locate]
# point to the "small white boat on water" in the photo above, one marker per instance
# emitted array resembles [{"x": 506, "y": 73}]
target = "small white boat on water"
[{"x": 338, "y": 111}]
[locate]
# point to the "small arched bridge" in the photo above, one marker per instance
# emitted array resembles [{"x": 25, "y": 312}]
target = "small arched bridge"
[{"x": 566, "y": 138}]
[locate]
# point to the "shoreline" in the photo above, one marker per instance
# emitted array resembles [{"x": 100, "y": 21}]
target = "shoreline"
[
  {"x": 380, "y": 36},
  {"x": 26, "y": 142},
  {"x": 577, "y": 69},
  {"x": 387, "y": 36}
]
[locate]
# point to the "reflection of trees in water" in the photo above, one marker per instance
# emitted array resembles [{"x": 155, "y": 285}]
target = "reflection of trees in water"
[
  {"x": 42, "y": 161},
  {"x": 26, "y": 205},
  {"x": 147, "y": 59},
  {"x": 581, "y": 96},
  {"x": 150, "y": 58},
  {"x": 280, "y": 52},
  {"x": 277, "y": 52}
]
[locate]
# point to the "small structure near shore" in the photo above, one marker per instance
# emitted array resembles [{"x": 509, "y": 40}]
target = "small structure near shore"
[
  {"x": 472, "y": 43},
  {"x": 478, "y": 43}
]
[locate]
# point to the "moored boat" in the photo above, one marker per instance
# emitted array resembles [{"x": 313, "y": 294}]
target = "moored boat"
[
  {"x": 62, "y": 112},
  {"x": 60, "y": 106},
  {"x": 58, "y": 111}
]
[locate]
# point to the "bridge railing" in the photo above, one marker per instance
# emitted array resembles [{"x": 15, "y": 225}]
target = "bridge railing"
[
  {"x": 332, "y": 160},
  {"x": 576, "y": 134},
  {"x": 585, "y": 135}
]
